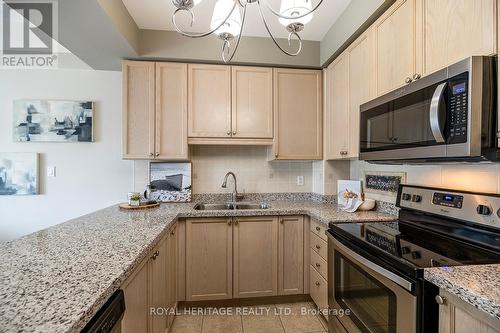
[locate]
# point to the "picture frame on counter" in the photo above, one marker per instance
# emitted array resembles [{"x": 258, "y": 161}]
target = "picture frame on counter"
[
  {"x": 383, "y": 182},
  {"x": 170, "y": 181}
]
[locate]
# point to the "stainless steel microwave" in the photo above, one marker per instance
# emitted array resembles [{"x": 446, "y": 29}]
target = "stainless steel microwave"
[{"x": 450, "y": 115}]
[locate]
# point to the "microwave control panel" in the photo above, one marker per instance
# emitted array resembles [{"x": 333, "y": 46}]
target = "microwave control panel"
[{"x": 458, "y": 106}]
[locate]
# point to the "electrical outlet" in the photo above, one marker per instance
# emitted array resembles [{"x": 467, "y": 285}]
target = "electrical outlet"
[
  {"x": 300, "y": 180},
  {"x": 51, "y": 171}
]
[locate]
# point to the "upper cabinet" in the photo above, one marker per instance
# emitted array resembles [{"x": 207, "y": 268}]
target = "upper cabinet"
[
  {"x": 154, "y": 110},
  {"x": 297, "y": 114},
  {"x": 138, "y": 109},
  {"x": 209, "y": 101},
  {"x": 252, "y": 102},
  {"x": 455, "y": 29},
  {"x": 395, "y": 51}
]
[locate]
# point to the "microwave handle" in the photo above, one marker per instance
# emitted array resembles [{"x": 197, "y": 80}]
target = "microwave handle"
[{"x": 434, "y": 113}]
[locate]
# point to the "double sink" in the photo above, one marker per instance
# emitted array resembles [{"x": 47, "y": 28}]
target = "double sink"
[{"x": 232, "y": 206}]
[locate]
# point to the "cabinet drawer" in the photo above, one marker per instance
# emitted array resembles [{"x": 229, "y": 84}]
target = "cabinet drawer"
[
  {"x": 319, "y": 245},
  {"x": 318, "y": 289},
  {"x": 319, "y": 229},
  {"x": 320, "y": 264}
]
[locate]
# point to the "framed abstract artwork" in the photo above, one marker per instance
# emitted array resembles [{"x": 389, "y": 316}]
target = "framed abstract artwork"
[{"x": 19, "y": 174}]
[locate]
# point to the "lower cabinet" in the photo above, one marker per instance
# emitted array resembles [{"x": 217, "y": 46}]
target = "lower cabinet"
[
  {"x": 243, "y": 257},
  {"x": 151, "y": 290},
  {"x": 318, "y": 270},
  {"x": 457, "y": 316}
]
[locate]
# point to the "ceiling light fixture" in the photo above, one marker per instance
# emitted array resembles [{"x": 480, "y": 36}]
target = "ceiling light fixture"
[{"x": 227, "y": 22}]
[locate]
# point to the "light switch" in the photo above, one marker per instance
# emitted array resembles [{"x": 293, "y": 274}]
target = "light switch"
[
  {"x": 300, "y": 180},
  {"x": 51, "y": 171}
]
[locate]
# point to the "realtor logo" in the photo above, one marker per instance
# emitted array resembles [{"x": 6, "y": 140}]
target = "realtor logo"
[{"x": 28, "y": 30}]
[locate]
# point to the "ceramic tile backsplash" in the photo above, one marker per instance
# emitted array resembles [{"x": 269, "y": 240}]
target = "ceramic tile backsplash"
[
  {"x": 253, "y": 172},
  {"x": 472, "y": 177},
  {"x": 326, "y": 174}
]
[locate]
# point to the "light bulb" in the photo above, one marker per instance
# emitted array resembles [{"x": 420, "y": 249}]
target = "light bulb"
[
  {"x": 230, "y": 28},
  {"x": 293, "y": 8}
]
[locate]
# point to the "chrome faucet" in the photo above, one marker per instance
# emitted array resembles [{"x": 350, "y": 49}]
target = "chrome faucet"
[{"x": 234, "y": 195}]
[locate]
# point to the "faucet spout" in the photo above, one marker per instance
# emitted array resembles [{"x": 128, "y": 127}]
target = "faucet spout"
[{"x": 234, "y": 195}]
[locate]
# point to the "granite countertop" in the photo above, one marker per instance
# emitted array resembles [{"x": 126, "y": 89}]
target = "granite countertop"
[
  {"x": 56, "y": 279},
  {"x": 476, "y": 285}
]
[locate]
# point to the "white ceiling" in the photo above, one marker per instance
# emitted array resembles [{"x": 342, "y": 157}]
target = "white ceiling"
[{"x": 156, "y": 15}]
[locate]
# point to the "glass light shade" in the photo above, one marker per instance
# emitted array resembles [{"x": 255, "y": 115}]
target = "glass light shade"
[
  {"x": 196, "y": 2},
  {"x": 233, "y": 23},
  {"x": 293, "y": 8}
]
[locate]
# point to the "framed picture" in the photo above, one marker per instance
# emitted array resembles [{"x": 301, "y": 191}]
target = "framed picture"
[
  {"x": 385, "y": 183},
  {"x": 171, "y": 182},
  {"x": 18, "y": 173},
  {"x": 53, "y": 121}
]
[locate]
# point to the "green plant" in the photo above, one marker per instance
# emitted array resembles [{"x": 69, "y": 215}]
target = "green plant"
[{"x": 135, "y": 197}]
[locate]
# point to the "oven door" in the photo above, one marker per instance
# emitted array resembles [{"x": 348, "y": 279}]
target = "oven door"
[
  {"x": 408, "y": 123},
  {"x": 379, "y": 301}
]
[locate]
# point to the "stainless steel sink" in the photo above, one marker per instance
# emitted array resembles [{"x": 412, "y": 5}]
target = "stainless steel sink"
[{"x": 231, "y": 206}]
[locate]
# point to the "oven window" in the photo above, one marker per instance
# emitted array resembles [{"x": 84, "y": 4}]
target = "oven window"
[
  {"x": 401, "y": 123},
  {"x": 372, "y": 305}
]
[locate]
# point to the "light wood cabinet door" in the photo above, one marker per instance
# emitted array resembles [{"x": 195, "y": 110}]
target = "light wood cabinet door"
[
  {"x": 171, "y": 111},
  {"x": 457, "y": 316},
  {"x": 136, "y": 317},
  {"x": 171, "y": 277},
  {"x": 158, "y": 286},
  {"x": 456, "y": 29},
  {"x": 337, "y": 111},
  {"x": 209, "y": 101},
  {"x": 360, "y": 85},
  {"x": 138, "y": 109},
  {"x": 252, "y": 102},
  {"x": 291, "y": 255},
  {"x": 255, "y": 255},
  {"x": 396, "y": 45},
  {"x": 298, "y": 114},
  {"x": 209, "y": 259}
]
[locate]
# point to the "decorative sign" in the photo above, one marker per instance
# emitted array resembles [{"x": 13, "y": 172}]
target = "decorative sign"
[{"x": 384, "y": 182}]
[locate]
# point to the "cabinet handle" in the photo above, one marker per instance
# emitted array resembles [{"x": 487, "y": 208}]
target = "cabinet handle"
[
  {"x": 318, "y": 284},
  {"x": 318, "y": 229},
  {"x": 155, "y": 255},
  {"x": 318, "y": 247},
  {"x": 281, "y": 221},
  {"x": 172, "y": 233},
  {"x": 440, "y": 300},
  {"x": 236, "y": 222},
  {"x": 408, "y": 80},
  {"x": 228, "y": 132},
  {"x": 318, "y": 265},
  {"x": 234, "y": 132},
  {"x": 416, "y": 77},
  {"x": 157, "y": 154},
  {"x": 276, "y": 155},
  {"x": 229, "y": 223},
  {"x": 151, "y": 154}
]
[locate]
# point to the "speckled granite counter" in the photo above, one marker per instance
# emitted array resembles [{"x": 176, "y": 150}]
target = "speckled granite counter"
[
  {"x": 56, "y": 279},
  {"x": 477, "y": 285}
]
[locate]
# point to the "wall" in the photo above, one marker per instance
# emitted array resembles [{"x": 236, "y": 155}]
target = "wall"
[
  {"x": 89, "y": 176},
  {"x": 473, "y": 177},
  {"x": 253, "y": 172}
]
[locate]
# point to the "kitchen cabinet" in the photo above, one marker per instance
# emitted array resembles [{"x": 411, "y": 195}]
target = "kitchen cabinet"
[
  {"x": 171, "y": 111},
  {"x": 396, "y": 47},
  {"x": 457, "y": 316},
  {"x": 318, "y": 288},
  {"x": 138, "y": 109},
  {"x": 291, "y": 255},
  {"x": 456, "y": 29},
  {"x": 255, "y": 256},
  {"x": 150, "y": 286},
  {"x": 297, "y": 115},
  {"x": 209, "y": 259},
  {"x": 252, "y": 102},
  {"x": 154, "y": 110},
  {"x": 318, "y": 269},
  {"x": 209, "y": 101}
]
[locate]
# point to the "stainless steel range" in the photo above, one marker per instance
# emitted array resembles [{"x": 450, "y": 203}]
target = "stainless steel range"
[{"x": 375, "y": 270}]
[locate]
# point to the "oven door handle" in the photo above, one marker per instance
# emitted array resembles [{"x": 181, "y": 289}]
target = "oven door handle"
[
  {"x": 367, "y": 263},
  {"x": 437, "y": 132}
]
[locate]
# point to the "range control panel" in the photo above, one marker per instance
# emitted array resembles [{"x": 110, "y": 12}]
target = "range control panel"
[{"x": 482, "y": 208}]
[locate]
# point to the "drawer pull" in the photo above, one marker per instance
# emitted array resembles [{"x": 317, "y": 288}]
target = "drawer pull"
[
  {"x": 318, "y": 229},
  {"x": 318, "y": 284},
  {"x": 318, "y": 265},
  {"x": 440, "y": 300},
  {"x": 155, "y": 255},
  {"x": 318, "y": 247}
]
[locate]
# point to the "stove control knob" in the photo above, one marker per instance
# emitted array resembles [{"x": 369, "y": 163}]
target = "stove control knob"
[
  {"x": 416, "y": 255},
  {"x": 416, "y": 198},
  {"x": 406, "y": 196},
  {"x": 498, "y": 212},
  {"x": 483, "y": 210}
]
